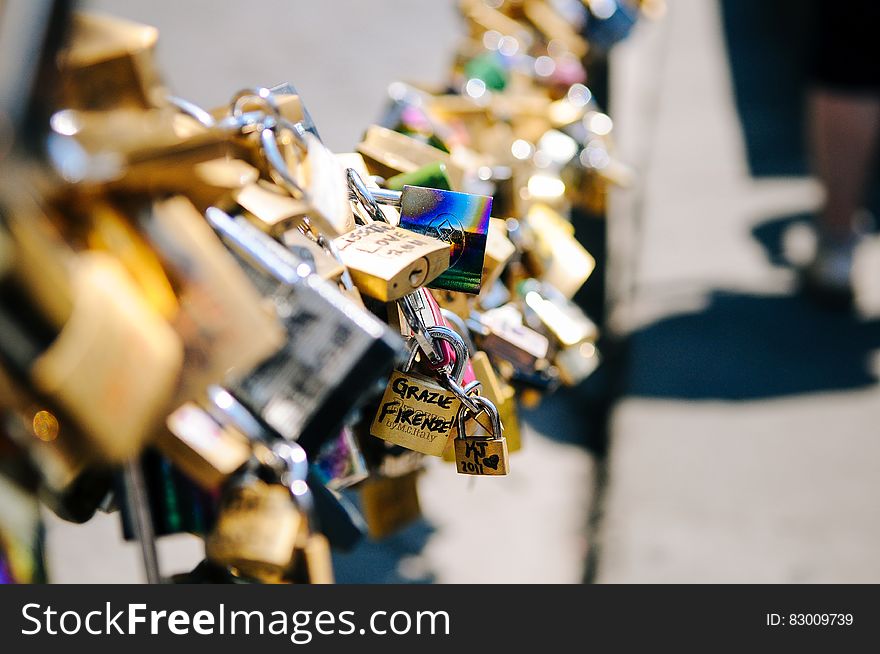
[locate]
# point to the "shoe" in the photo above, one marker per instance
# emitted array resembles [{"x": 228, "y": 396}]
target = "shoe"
[{"x": 828, "y": 278}]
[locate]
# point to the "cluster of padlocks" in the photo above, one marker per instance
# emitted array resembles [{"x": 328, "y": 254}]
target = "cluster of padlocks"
[{"x": 213, "y": 324}]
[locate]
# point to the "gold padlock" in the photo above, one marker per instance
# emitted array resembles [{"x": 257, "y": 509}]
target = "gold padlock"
[
  {"x": 507, "y": 338},
  {"x": 387, "y": 262},
  {"x": 502, "y": 395},
  {"x": 203, "y": 449},
  {"x": 499, "y": 250},
  {"x": 481, "y": 455},
  {"x": 416, "y": 411},
  {"x": 560, "y": 259},
  {"x": 257, "y": 531},
  {"x": 110, "y": 63},
  {"x": 115, "y": 364},
  {"x": 314, "y": 557},
  {"x": 270, "y": 209},
  {"x": 390, "y": 503},
  {"x": 389, "y": 153}
]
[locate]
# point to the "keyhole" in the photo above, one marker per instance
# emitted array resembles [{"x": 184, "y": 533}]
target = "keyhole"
[{"x": 419, "y": 272}]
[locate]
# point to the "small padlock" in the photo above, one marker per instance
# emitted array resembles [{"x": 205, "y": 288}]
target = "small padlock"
[
  {"x": 499, "y": 250},
  {"x": 416, "y": 411},
  {"x": 313, "y": 563},
  {"x": 341, "y": 461},
  {"x": 460, "y": 219},
  {"x": 481, "y": 455},
  {"x": 110, "y": 63}
]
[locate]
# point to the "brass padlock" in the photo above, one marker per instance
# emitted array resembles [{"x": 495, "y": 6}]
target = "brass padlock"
[
  {"x": 390, "y": 503},
  {"x": 260, "y": 530},
  {"x": 499, "y": 250},
  {"x": 316, "y": 560},
  {"x": 388, "y": 262},
  {"x": 502, "y": 395},
  {"x": 557, "y": 256},
  {"x": 201, "y": 447},
  {"x": 481, "y": 455},
  {"x": 110, "y": 63},
  {"x": 389, "y": 153},
  {"x": 460, "y": 219},
  {"x": 257, "y": 531},
  {"x": 506, "y": 337},
  {"x": 416, "y": 411}
]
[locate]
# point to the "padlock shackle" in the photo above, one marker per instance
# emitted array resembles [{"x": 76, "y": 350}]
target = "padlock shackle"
[
  {"x": 363, "y": 196},
  {"x": 255, "y": 245},
  {"x": 383, "y": 196},
  {"x": 458, "y": 347},
  {"x": 194, "y": 111},
  {"x": 486, "y": 406},
  {"x": 461, "y": 327}
]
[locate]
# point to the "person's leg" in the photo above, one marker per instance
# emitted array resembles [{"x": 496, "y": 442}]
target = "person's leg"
[
  {"x": 844, "y": 128},
  {"x": 844, "y": 131}
]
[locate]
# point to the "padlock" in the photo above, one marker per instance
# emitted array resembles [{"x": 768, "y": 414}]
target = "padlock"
[
  {"x": 259, "y": 528},
  {"x": 115, "y": 364},
  {"x": 558, "y": 257},
  {"x": 339, "y": 521},
  {"x": 389, "y": 153},
  {"x": 337, "y": 351},
  {"x": 110, "y": 63},
  {"x": 390, "y": 503},
  {"x": 341, "y": 461},
  {"x": 156, "y": 152},
  {"x": 481, "y": 455},
  {"x": 460, "y": 219},
  {"x": 291, "y": 156},
  {"x": 499, "y": 250},
  {"x": 205, "y": 450},
  {"x": 313, "y": 563},
  {"x": 324, "y": 264},
  {"x": 388, "y": 262},
  {"x": 501, "y": 394},
  {"x": 270, "y": 209},
  {"x": 416, "y": 411},
  {"x": 222, "y": 320},
  {"x": 506, "y": 337},
  {"x": 549, "y": 310}
]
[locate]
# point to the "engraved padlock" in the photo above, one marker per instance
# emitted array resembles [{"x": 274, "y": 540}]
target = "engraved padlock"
[
  {"x": 481, "y": 455},
  {"x": 460, "y": 219},
  {"x": 417, "y": 411},
  {"x": 387, "y": 262}
]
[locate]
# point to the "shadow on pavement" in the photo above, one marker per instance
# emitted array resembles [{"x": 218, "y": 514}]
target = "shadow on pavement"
[{"x": 744, "y": 347}]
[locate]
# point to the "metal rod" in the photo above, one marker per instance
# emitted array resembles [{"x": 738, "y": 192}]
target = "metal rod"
[{"x": 142, "y": 522}]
